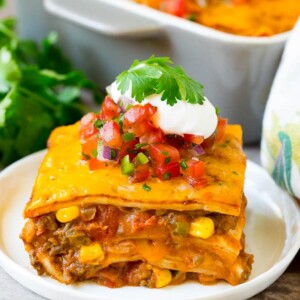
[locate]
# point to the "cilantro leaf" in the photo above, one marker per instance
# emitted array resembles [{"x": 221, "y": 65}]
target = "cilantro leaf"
[
  {"x": 155, "y": 75},
  {"x": 23, "y": 132},
  {"x": 170, "y": 94},
  {"x": 39, "y": 90},
  {"x": 141, "y": 86},
  {"x": 190, "y": 89},
  {"x": 9, "y": 70}
]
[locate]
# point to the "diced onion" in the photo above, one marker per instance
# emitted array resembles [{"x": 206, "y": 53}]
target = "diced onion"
[
  {"x": 199, "y": 149},
  {"x": 106, "y": 153},
  {"x": 124, "y": 102}
]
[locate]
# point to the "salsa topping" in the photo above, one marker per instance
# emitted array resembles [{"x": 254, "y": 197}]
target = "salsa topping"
[
  {"x": 154, "y": 122},
  {"x": 131, "y": 139}
]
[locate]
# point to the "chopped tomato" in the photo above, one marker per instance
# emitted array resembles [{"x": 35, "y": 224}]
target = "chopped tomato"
[
  {"x": 221, "y": 127},
  {"x": 141, "y": 128},
  {"x": 128, "y": 148},
  {"x": 137, "y": 119},
  {"x": 139, "y": 113},
  {"x": 140, "y": 173},
  {"x": 209, "y": 142},
  {"x": 135, "y": 114},
  {"x": 154, "y": 136},
  {"x": 175, "y": 7},
  {"x": 109, "y": 109},
  {"x": 193, "y": 171},
  {"x": 166, "y": 172},
  {"x": 95, "y": 164},
  {"x": 163, "y": 154},
  {"x": 150, "y": 109},
  {"x": 111, "y": 134},
  {"x": 195, "y": 139},
  {"x": 87, "y": 127},
  {"x": 89, "y": 146},
  {"x": 194, "y": 168},
  {"x": 175, "y": 140}
]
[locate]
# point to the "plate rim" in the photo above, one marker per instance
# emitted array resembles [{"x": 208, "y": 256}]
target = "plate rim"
[{"x": 18, "y": 272}]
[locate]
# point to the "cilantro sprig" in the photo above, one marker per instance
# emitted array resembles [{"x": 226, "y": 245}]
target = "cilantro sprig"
[
  {"x": 39, "y": 90},
  {"x": 156, "y": 75}
]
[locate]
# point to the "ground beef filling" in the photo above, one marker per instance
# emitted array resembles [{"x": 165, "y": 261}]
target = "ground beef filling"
[{"x": 54, "y": 246}]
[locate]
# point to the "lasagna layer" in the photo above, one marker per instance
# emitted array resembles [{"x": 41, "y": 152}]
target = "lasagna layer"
[
  {"x": 64, "y": 179},
  {"x": 136, "y": 245}
]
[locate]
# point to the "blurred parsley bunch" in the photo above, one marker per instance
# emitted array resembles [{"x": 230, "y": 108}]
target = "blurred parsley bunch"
[{"x": 39, "y": 91}]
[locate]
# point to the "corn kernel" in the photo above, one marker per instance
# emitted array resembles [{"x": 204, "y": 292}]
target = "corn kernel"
[
  {"x": 202, "y": 227},
  {"x": 67, "y": 214},
  {"x": 91, "y": 254},
  {"x": 162, "y": 277}
]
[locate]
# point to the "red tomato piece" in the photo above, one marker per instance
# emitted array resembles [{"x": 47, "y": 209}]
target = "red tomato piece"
[
  {"x": 139, "y": 113},
  {"x": 209, "y": 142},
  {"x": 140, "y": 173},
  {"x": 87, "y": 127},
  {"x": 195, "y": 169},
  {"x": 166, "y": 172},
  {"x": 135, "y": 114},
  {"x": 154, "y": 136},
  {"x": 95, "y": 164},
  {"x": 89, "y": 146},
  {"x": 128, "y": 148},
  {"x": 137, "y": 119},
  {"x": 175, "y": 7},
  {"x": 150, "y": 109},
  {"x": 109, "y": 109},
  {"x": 195, "y": 139},
  {"x": 111, "y": 135},
  {"x": 221, "y": 127},
  {"x": 175, "y": 140},
  {"x": 163, "y": 154},
  {"x": 141, "y": 128}
]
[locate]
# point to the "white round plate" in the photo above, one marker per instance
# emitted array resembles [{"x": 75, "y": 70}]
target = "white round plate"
[{"x": 272, "y": 235}]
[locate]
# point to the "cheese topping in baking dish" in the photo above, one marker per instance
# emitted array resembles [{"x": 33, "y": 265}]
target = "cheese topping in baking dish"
[{"x": 242, "y": 17}]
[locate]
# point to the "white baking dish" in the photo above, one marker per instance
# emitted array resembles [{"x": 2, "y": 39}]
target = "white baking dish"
[{"x": 104, "y": 36}]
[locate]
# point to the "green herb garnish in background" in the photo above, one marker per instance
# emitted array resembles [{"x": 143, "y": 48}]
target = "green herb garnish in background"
[
  {"x": 155, "y": 75},
  {"x": 39, "y": 91}
]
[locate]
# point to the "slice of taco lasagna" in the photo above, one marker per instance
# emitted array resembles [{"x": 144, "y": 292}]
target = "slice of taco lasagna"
[{"x": 148, "y": 192}]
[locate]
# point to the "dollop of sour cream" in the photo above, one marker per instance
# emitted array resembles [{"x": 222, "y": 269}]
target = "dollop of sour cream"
[{"x": 181, "y": 118}]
